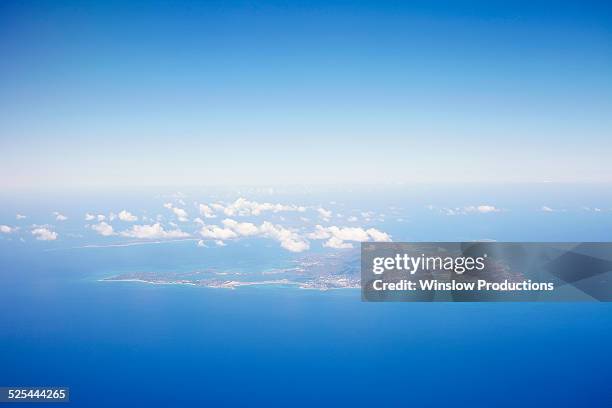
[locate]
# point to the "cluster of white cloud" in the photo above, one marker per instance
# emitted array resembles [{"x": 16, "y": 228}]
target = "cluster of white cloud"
[
  {"x": 59, "y": 216},
  {"x": 482, "y": 209},
  {"x": 180, "y": 213},
  {"x": 242, "y": 228},
  {"x": 367, "y": 215},
  {"x": 159, "y": 227},
  {"x": 43, "y": 233},
  {"x": 127, "y": 216},
  {"x": 206, "y": 211},
  {"x": 324, "y": 214},
  {"x": 244, "y": 207},
  {"x": 288, "y": 239},
  {"x": 593, "y": 209},
  {"x": 153, "y": 231},
  {"x": 216, "y": 232},
  {"x": 545, "y": 208},
  {"x": 337, "y": 237},
  {"x": 103, "y": 229},
  {"x": 470, "y": 209},
  {"x": 20, "y": 216},
  {"x": 5, "y": 229},
  {"x": 144, "y": 231},
  {"x": 91, "y": 217}
]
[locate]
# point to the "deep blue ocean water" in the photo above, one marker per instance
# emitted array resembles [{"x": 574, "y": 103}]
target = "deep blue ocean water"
[{"x": 132, "y": 344}]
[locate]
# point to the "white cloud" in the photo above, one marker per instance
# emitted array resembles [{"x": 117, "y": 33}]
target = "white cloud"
[
  {"x": 127, "y": 216},
  {"x": 180, "y": 213},
  {"x": 220, "y": 243},
  {"x": 44, "y": 234},
  {"x": 232, "y": 229},
  {"x": 241, "y": 228},
  {"x": 217, "y": 206},
  {"x": 378, "y": 236},
  {"x": 206, "y": 211},
  {"x": 101, "y": 217},
  {"x": 320, "y": 232},
  {"x": 20, "y": 216},
  {"x": 470, "y": 209},
  {"x": 244, "y": 207},
  {"x": 483, "y": 209},
  {"x": 288, "y": 239},
  {"x": 5, "y": 229},
  {"x": 152, "y": 231},
  {"x": 325, "y": 214},
  {"x": 337, "y": 243},
  {"x": 201, "y": 244},
  {"x": 547, "y": 209},
  {"x": 112, "y": 216},
  {"x": 60, "y": 217},
  {"x": 336, "y": 236},
  {"x": 103, "y": 229},
  {"x": 89, "y": 217},
  {"x": 216, "y": 232},
  {"x": 352, "y": 219}
]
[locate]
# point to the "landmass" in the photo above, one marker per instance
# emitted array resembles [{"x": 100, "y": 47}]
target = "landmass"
[{"x": 319, "y": 272}]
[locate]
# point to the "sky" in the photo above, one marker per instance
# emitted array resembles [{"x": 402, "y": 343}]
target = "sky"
[{"x": 124, "y": 94}]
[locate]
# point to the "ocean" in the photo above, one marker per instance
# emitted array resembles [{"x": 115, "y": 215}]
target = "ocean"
[
  {"x": 126, "y": 344},
  {"x": 137, "y": 344}
]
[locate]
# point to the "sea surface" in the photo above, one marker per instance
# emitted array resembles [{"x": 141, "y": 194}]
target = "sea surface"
[
  {"x": 137, "y": 344},
  {"x": 126, "y": 344}
]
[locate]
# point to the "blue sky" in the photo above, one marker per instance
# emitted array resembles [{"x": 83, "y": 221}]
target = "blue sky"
[{"x": 158, "y": 93}]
